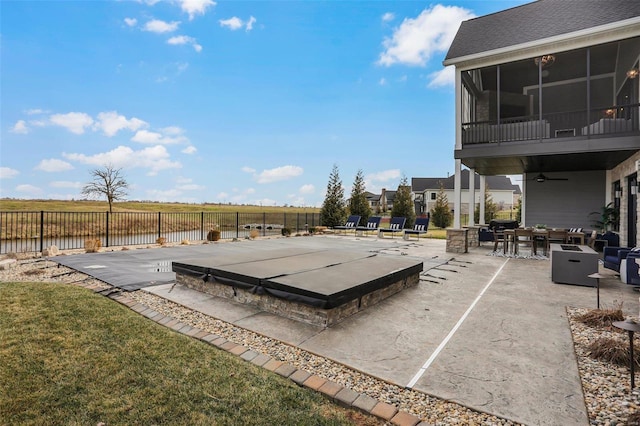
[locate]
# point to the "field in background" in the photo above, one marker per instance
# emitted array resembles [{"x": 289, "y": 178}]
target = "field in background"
[{"x": 135, "y": 206}]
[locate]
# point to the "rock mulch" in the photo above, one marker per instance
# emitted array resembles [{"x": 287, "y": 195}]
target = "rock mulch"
[{"x": 605, "y": 385}]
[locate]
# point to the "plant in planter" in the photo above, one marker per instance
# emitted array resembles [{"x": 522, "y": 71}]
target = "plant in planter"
[
  {"x": 213, "y": 234},
  {"x": 286, "y": 232},
  {"x": 609, "y": 218}
]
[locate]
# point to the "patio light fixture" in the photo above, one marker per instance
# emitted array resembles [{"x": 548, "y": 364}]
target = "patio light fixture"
[
  {"x": 633, "y": 73},
  {"x": 618, "y": 193},
  {"x": 546, "y": 60}
]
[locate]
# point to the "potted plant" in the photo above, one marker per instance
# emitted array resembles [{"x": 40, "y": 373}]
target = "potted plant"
[
  {"x": 609, "y": 218},
  {"x": 214, "y": 234}
]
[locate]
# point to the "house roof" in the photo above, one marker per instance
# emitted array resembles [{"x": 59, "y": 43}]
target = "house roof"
[
  {"x": 537, "y": 21},
  {"x": 495, "y": 183}
]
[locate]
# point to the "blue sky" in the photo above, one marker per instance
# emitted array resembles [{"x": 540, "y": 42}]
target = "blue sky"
[{"x": 247, "y": 102}]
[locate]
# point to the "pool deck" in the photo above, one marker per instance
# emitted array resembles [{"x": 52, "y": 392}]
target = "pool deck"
[{"x": 488, "y": 332}]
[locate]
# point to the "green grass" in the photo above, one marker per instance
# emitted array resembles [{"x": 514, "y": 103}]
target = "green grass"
[{"x": 72, "y": 357}]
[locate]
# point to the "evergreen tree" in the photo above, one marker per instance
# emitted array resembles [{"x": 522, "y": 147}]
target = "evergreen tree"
[
  {"x": 490, "y": 208},
  {"x": 358, "y": 204},
  {"x": 440, "y": 213},
  {"x": 333, "y": 210},
  {"x": 403, "y": 204},
  {"x": 519, "y": 210}
]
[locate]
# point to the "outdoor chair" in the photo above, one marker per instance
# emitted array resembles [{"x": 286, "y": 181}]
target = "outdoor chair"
[
  {"x": 351, "y": 224},
  {"x": 396, "y": 225},
  {"x": 373, "y": 224},
  {"x": 419, "y": 227},
  {"x": 524, "y": 237},
  {"x": 613, "y": 257},
  {"x": 499, "y": 237},
  {"x": 556, "y": 236},
  {"x": 630, "y": 268}
]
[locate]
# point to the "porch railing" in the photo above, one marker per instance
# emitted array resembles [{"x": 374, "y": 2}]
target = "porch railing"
[
  {"x": 610, "y": 121},
  {"x": 32, "y": 231}
]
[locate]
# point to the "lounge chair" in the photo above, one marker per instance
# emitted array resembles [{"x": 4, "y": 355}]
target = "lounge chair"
[
  {"x": 419, "y": 227},
  {"x": 396, "y": 225},
  {"x": 351, "y": 224},
  {"x": 613, "y": 257},
  {"x": 630, "y": 268},
  {"x": 373, "y": 224}
]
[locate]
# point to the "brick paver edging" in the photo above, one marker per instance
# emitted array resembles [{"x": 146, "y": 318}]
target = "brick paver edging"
[{"x": 334, "y": 391}]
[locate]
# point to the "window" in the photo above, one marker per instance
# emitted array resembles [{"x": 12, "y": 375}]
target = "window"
[{"x": 433, "y": 195}]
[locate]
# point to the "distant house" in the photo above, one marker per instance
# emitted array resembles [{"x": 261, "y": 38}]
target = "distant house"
[
  {"x": 382, "y": 202},
  {"x": 502, "y": 191}
]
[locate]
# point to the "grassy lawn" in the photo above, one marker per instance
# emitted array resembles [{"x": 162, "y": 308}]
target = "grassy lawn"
[{"x": 72, "y": 357}]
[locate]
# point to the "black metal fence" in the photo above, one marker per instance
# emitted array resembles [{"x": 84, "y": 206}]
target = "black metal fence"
[{"x": 33, "y": 231}]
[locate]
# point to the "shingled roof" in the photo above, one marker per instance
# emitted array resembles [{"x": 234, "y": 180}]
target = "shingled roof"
[
  {"x": 537, "y": 21},
  {"x": 496, "y": 183}
]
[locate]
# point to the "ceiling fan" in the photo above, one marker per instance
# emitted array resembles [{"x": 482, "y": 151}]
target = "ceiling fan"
[{"x": 542, "y": 178}]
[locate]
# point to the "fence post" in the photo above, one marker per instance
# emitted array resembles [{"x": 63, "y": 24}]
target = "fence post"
[
  {"x": 297, "y": 222},
  {"x": 159, "y": 224},
  {"x": 41, "y": 230},
  {"x": 264, "y": 224},
  {"x": 201, "y": 225},
  {"x": 107, "y": 228},
  {"x": 237, "y": 225}
]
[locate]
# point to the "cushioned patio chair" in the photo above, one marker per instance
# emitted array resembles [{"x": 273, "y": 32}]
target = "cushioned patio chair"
[
  {"x": 556, "y": 236},
  {"x": 613, "y": 256},
  {"x": 420, "y": 227},
  {"x": 630, "y": 268},
  {"x": 395, "y": 226},
  {"x": 373, "y": 224},
  {"x": 351, "y": 224}
]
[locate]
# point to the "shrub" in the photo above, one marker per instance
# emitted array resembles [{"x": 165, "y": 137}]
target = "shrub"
[
  {"x": 92, "y": 245},
  {"x": 286, "y": 232},
  {"x": 253, "y": 234},
  {"x": 614, "y": 351},
  {"x": 161, "y": 241},
  {"x": 602, "y": 317}
]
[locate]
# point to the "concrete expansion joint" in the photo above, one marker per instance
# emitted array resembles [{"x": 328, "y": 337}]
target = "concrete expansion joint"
[{"x": 339, "y": 394}]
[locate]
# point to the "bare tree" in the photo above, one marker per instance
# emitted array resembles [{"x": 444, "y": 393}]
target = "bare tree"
[{"x": 107, "y": 182}]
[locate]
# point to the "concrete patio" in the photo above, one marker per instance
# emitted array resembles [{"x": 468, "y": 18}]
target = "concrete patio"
[{"x": 488, "y": 332}]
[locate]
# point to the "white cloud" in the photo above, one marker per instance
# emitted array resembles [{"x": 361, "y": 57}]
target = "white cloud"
[
  {"x": 196, "y": 7},
  {"x": 20, "y": 127},
  {"x": 265, "y": 202},
  {"x": 382, "y": 82},
  {"x": 250, "y": 22},
  {"x": 190, "y": 187},
  {"x": 163, "y": 195},
  {"x": 383, "y": 176},
  {"x": 222, "y": 196},
  {"x": 236, "y": 23},
  {"x": 66, "y": 184},
  {"x": 159, "y": 27},
  {"x": 29, "y": 189},
  {"x": 155, "y": 158},
  {"x": 189, "y": 150},
  {"x": 278, "y": 174},
  {"x": 111, "y": 122},
  {"x": 54, "y": 165},
  {"x": 75, "y": 122},
  {"x": 233, "y": 24},
  {"x": 182, "y": 39},
  {"x": 131, "y": 22},
  {"x": 416, "y": 40},
  {"x": 249, "y": 191},
  {"x": 307, "y": 189},
  {"x": 36, "y": 111},
  {"x": 444, "y": 77},
  {"x": 148, "y": 137},
  {"x": 388, "y": 17},
  {"x": 247, "y": 169},
  {"x": 8, "y": 173}
]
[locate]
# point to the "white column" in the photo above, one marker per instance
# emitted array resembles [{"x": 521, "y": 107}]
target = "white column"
[
  {"x": 457, "y": 180},
  {"x": 483, "y": 185},
  {"x": 523, "y": 206},
  {"x": 472, "y": 196}
]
